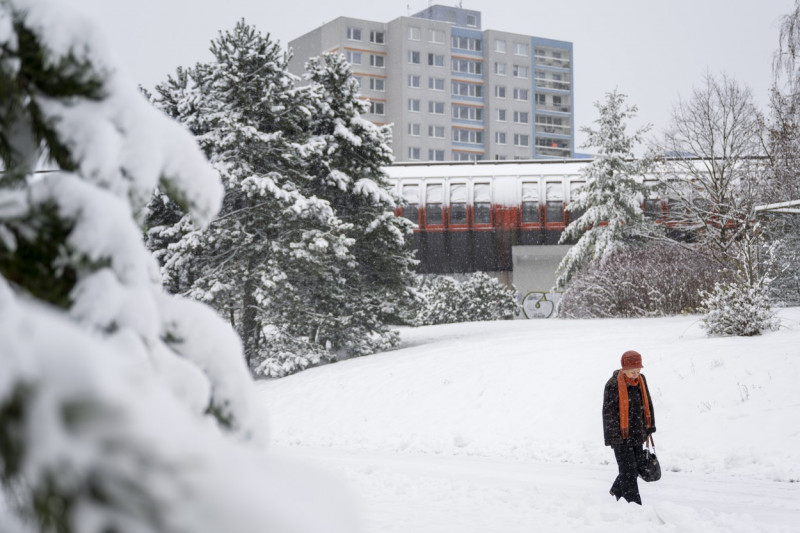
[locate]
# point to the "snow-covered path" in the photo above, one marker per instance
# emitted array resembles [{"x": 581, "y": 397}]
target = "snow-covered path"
[{"x": 446, "y": 494}]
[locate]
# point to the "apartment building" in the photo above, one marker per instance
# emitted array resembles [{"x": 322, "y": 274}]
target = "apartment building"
[{"x": 452, "y": 91}]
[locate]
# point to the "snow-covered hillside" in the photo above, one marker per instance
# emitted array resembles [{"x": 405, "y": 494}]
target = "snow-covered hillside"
[{"x": 496, "y": 426}]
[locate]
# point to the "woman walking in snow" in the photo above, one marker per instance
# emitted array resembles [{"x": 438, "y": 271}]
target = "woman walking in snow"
[{"x": 628, "y": 420}]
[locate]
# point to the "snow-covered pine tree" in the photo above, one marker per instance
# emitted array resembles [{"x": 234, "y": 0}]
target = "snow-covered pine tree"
[
  {"x": 275, "y": 261},
  {"x": 108, "y": 385},
  {"x": 738, "y": 308},
  {"x": 611, "y": 199},
  {"x": 347, "y": 173}
]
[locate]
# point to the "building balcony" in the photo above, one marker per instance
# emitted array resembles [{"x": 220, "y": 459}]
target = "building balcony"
[
  {"x": 554, "y": 108},
  {"x": 549, "y": 61},
  {"x": 553, "y": 152},
  {"x": 551, "y": 129},
  {"x": 544, "y": 83}
]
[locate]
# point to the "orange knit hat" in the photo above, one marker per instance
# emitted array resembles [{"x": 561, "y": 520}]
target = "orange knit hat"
[{"x": 631, "y": 359}]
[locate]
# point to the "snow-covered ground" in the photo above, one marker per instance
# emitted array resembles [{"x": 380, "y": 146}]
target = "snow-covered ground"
[{"x": 496, "y": 427}]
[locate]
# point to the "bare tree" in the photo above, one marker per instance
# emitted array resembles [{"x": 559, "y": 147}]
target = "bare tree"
[
  {"x": 782, "y": 173},
  {"x": 710, "y": 171}
]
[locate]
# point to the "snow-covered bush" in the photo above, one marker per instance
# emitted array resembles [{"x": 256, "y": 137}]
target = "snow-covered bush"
[
  {"x": 656, "y": 280},
  {"x": 444, "y": 300},
  {"x": 738, "y": 308}
]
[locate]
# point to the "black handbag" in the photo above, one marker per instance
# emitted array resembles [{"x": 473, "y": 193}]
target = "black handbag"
[{"x": 649, "y": 467}]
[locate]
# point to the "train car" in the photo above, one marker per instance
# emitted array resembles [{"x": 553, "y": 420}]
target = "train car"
[{"x": 469, "y": 216}]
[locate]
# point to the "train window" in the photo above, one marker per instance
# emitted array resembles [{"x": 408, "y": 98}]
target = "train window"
[
  {"x": 530, "y": 202},
  {"x": 482, "y": 204},
  {"x": 555, "y": 202},
  {"x": 652, "y": 203},
  {"x": 676, "y": 210},
  {"x": 411, "y": 196},
  {"x": 433, "y": 205},
  {"x": 574, "y": 187},
  {"x": 458, "y": 203},
  {"x": 652, "y": 208}
]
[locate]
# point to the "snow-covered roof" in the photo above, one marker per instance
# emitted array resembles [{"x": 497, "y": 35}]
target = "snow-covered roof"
[{"x": 792, "y": 206}]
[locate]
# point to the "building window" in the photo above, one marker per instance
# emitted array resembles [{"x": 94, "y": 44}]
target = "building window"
[
  {"x": 436, "y": 108},
  {"x": 414, "y": 33},
  {"x": 377, "y": 37},
  {"x": 413, "y": 104},
  {"x": 500, "y": 46},
  {"x": 541, "y": 99},
  {"x": 437, "y": 36},
  {"x": 520, "y": 71},
  {"x": 521, "y": 140},
  {"x": 377, "y": 61},
  {"x": 354, "y": 34},
  {"x": 500, "y": 69},
  {"x": 435, "y": 60},
  {"x": 501, "y": 115},
  {"x": 377, "y": 108},
  {"x": 520, "y": 94},
  {"x": 413, "y": 153},
  {"x": 521, "y": 117},
  {"x": 521, "y": 49},
  {"x": 413, "y": 129},
  {"x": 466, "y": 43},
  {"x": 359, "y": 81},
  {"x": 466, "y": 156},
  {"x": 435, "y": 155},
  {"x": 436, "y": 84},
  {"x": 414, "y": 57},
  {"x": 472, "y": 21},
  {"x": 500, "y": 137},
  {"x": 460, "y": 88},
  {"x": 354, "y": 58},
  {"x": 436, "y": 132},
  {"x": 467, "y": 66},
  {"x": 500, "y": 91},
  {"x": 462, "y": 135},
  {"x": 377, "y": 84},
  {"x": 465, "y": 112},
  {"x": 413, "y": 80}
]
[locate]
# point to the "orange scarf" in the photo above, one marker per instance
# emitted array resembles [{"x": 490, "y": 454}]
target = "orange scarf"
[{"x": 622, "y": 385}]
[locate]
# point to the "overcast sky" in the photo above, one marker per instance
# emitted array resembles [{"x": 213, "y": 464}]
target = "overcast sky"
[{"x": 651, "y": 50}]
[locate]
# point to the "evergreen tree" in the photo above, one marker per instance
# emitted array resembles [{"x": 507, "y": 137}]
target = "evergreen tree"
[
  {"x": 306, "y": 258},
  {"x": 121, "y": 408},
  {"x": 348, "y": 174},
  {"x": 738, "y": 308},
  {"x": 610, "y": 202}
]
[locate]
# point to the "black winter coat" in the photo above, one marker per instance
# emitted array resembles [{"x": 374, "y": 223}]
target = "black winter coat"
[{"x": 637, "y": 432}]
